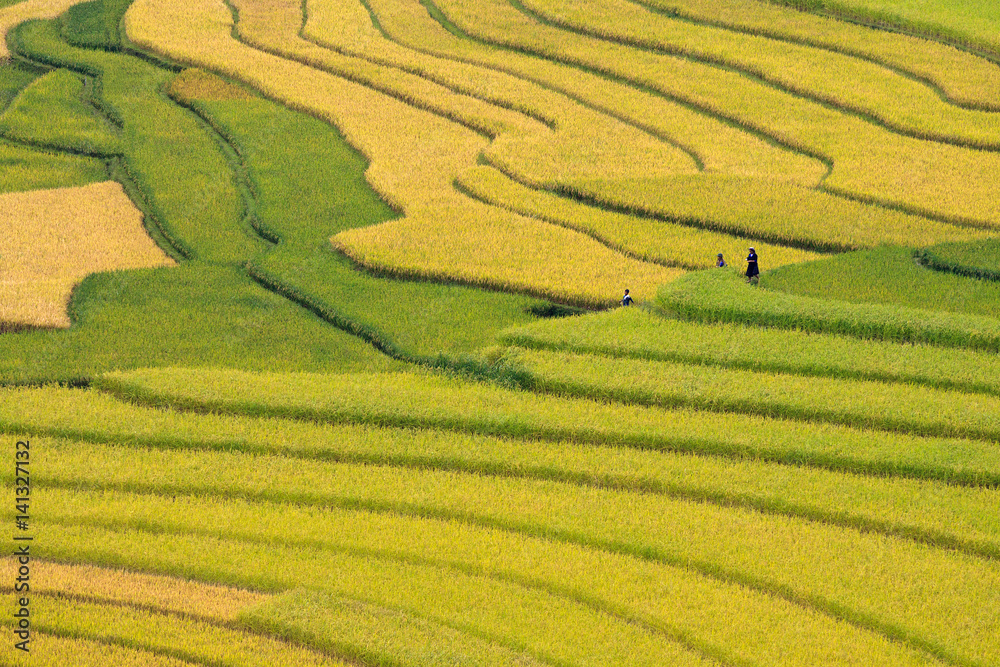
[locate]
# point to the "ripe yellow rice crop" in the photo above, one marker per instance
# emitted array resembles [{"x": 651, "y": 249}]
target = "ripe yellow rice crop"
[
  {"x": 406, "y": 399},
  {"x": 747, "y": 207},
  {"x": 858, "y": 84},
  {"x": 580, "y": 555},
  {"x": 200, "y": 641},
  {"x": 52, "y": 239},
  {"x": 963, "y": 76},
  {"x": 869, "y": 161},
  {"x": 720, "y": 146},
  {"x": 330, "y": 621},
  {"x": 122, "y": 586},
  {"x": 866, "y": 403},
  {"x": 590, "y": 143},
  {"x": 655, "y": 240},
  {"x": 415, "y": 158},
  {"x": 525, "y": 617},
  {"x": 196, "y": 84},
  {"x": 49, "y": 650},
  {"x": 23, "y": 11},
  {"x": 274, "y": 25}
]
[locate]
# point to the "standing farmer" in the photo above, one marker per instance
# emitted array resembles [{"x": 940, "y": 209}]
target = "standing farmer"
[
  {"x": 626, "y": 300},
  {"x": 752, "y": 271}
]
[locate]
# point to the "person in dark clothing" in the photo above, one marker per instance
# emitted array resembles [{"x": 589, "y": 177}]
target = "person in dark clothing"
[
  {"x": 720, "y": 262},
  {"x": 626, "y": 300},
  {"x": 753, "y": 272}
]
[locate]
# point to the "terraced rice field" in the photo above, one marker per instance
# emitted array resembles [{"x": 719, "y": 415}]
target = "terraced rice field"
[
  {"x": 343, "y": 379},
  {"x": 52, "y": 239}
]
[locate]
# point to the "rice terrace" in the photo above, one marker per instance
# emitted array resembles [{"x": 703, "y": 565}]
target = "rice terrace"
[{"x": 314, "y": 350}]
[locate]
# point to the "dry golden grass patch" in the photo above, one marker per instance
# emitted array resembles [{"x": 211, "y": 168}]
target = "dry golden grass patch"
[
  {"x": 23, "y": 11},
  {"x": 212, "y": 601},
  {"x": 415, "y": 157},
  {"x": 52, "y": 239}
]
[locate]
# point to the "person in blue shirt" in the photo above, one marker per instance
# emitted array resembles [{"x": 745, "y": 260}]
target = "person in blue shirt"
[
  {"x": 720, "y": 262},
  {"x": 626, "y": 300},
  {"x": 753, "y": 272}
]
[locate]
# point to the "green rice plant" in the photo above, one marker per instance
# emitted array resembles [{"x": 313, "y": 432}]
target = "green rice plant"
[
  {"x": 964, "y": 77},
  {"x": 862, "y": 403},
  {"x": 975, "y": 259},
  {"x": 95, "y": 24},
  {"x": 972, "y": 23},
  {"x": 373, "y": 634},
  {"x": 191, "y": 314},
  {"x": 412, "y": 400},
  {"x": 15, "y": 13},
  {"x": 53, "y": 651},
  {"x": 31, "y": 117},
  {"x": 178, "y": 168},
  {"x": 14, "y": 77},
  {"x": 445, "y": 236},
  {"x": 869, "y": 162},
  {"x": 23, "y": 168},
  {"x": 638, "y": 334},
  {"x": 286, "y": 154},
  {"x": 722, "y": 296},
  {"x": 888, "y": 276},
  {"x": 648, "y": 238},
  {"x": 859, "y": 85},
  {"x": 550, "y": 627},
  {"x": 571, "y": 555},
  {"x": 190, "y": 640}
]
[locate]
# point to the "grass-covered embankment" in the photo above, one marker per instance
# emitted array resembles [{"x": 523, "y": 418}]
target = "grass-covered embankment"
[{"x": 723, "y": 296}]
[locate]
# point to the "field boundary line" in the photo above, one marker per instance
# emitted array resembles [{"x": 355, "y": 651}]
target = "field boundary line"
[
  {"x": 185, "y": 659},
  {"x": 816, "y": 603},
  {"x": 760, "y": 133},
  {"x": 929, "y": 259},
  {"x": 388, "y": 91},
  {"x": 417, "y": 70},
  {"x": 763, "y": 78},
  {"x": 762, "y": 31},
  {"x": 606, "y": 242},
  {"x": 773, "y": 410},
  {"x": 621, "y": 483},
  {"x": 889, "y": 23},
  {"x": 134, "y": 186},
  {"x": 610, "y": 352},
  {"x": 234, "y": 626},
  {"x": 380, "y": 555},
  {"x": 694, "y": 446},
  {"x": 594, "y": 201}
]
